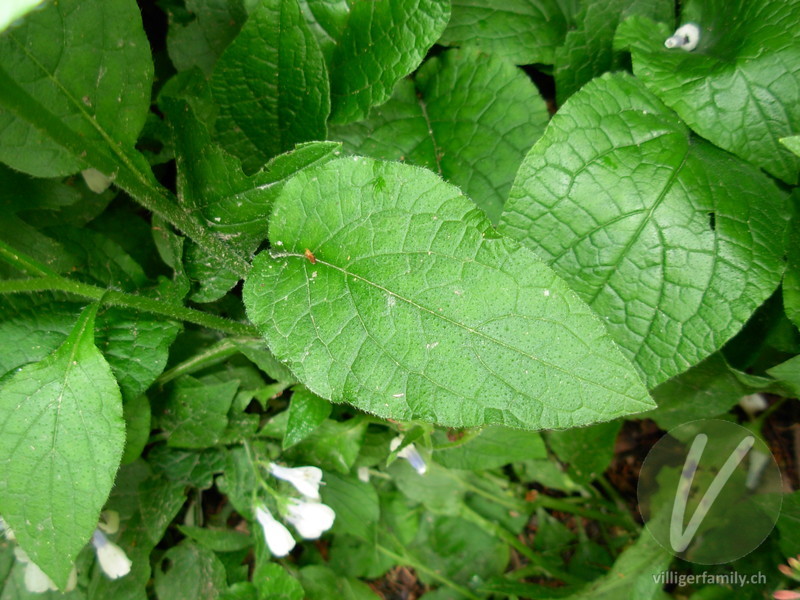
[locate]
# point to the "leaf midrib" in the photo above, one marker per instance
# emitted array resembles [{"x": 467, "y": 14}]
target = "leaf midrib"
[{"x": 447, "y": 319}]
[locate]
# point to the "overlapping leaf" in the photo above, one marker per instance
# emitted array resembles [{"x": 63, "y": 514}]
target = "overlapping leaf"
[
  {"x": 470, "y": 117},
  {"x": 588, "y": 48},
  {"x": 387, "y": 289},
  {"x": 740, "y": 88},
  {"x": 88, "y": 63},
  {"x": 521, "y": 31},
  {"x": 672, "y": 241},
  {"x": 271, "y": 85},
  {"x": 369, "y": 46}
]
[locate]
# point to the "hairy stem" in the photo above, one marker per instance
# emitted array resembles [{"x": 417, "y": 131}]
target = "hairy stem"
[{"x": 115, "y": 298}]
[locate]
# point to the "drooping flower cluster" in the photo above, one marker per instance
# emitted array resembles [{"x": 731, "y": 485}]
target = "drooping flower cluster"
[{"x": 308, "y": 516}]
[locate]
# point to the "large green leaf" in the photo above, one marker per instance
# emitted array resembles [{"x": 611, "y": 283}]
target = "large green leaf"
[
  {"x": 388, "y": 289},
  {"x": 61, "y": 439},
  {"x": 468, "y": 116},
  {"x": 271, "y": 85},
  {"x": 522, "y": 31},
  {"x": 673, "y": 242},
  {"x": 740, "y": 88},
  {"x": 588, "y": 49},
  {"x": 369, "y": 46},
  {"x": 87, "y": 62}
]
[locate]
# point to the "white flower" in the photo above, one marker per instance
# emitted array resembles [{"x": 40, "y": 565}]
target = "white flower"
[
  {"x": 753, "y": 403},
  {"x": 279, "y": 539},
  {"x": 311, "y": 519},
  {"x": 363, "y": 474},
  {"x": 36, "y": 580},
  {"x": 685, "y": 37},
  {"x": 306, "y": 480},
  {"x": 410, "y": 454},
  {"x": 113, "y": 560}
]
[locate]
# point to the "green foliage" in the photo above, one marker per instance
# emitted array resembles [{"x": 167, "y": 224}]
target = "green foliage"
[
  {"x": 61, "y": 414},
  {"x": 323, "y": 298},
  {"x": 621, "y": 201},
  {"x": 390, "y": 276}
]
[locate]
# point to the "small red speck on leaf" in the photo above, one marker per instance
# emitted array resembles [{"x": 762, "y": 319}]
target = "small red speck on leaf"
[{"x": 310, "y": 256}]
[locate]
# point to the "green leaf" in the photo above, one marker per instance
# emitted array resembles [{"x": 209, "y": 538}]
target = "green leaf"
[
  {"x": 789, "y": 524},
  {"x": 459, "y": 550},
  {"x": 371, "y": 46},
  {"x": 521, "y": 31},
  {"x": 355, "y": 504},
  {"x": 135, "y": 346},
  {"x": 86, "y": 61},
  {"x": 792, "y": 143},
  {"x": 493, "y": 447},
  {"x": 136, "y": 412},
  {"x": 586, "y": 451},
  {"x": 673, "y": 242},
  {"x": 588, "y": 48},
  {"x": 334, "y": 446},
  {"x": 740, "y": 88},
  {"x": 791, "y": 279},
  {"x": 218, "y": 540},
  {"x": 321, "y": 583},
  {"x": 470, "y": 117},
  {"x": 63, "y": 422},
  {"x": 705, "y": 391},
  {"x": 391, "y": 315},
  {"x": 271, "y": 85},
  {"x": 274, "y": 583},
  {"x": 307, "y": 411},
  {"x": 189, "y": 572},
  {"x": 198, "y": 36},
  {"x": 632, "y": 575},
  {"x": 440, "y": 490},
  {"x": 196, "y": 413},
  {"x": 788, "y": 373}
]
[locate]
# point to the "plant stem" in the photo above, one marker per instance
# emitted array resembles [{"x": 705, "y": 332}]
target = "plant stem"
[
  {"x": 24, "y": 263},
  {"x": 411, "y": 561},
  {"x": 128, "y": 169},
  {"x": 114, "y": 298},
  {"x": 510, "y": 539},
  {"x": 210, "y": 356}
]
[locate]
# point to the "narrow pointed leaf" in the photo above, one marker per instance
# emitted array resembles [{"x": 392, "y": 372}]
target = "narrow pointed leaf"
[
  {"x": 375, "y": 293},
  {"x": 271, "y": 85},
  {"x": 61, "y": 440},
  {"x": 370, "y": 46}
]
